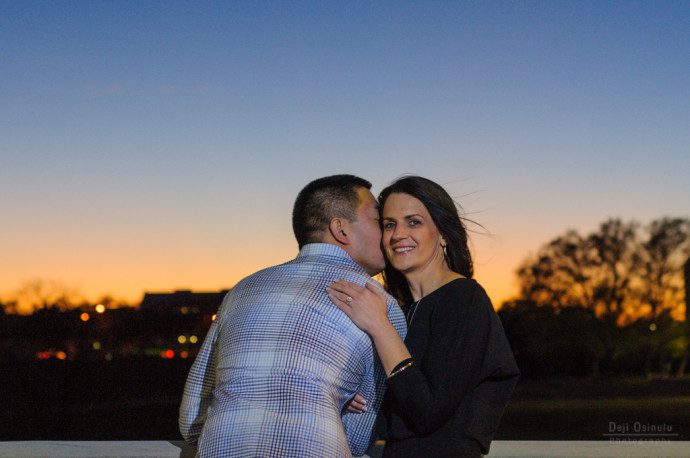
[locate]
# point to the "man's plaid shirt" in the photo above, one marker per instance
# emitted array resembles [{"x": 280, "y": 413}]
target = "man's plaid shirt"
[{"x": 280, "y": 362}]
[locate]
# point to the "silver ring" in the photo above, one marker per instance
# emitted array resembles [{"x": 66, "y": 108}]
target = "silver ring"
[{"x": 348, "y": 299}]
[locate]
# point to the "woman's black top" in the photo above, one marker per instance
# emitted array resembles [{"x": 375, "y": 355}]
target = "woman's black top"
[{"x": 450, "y": 401}]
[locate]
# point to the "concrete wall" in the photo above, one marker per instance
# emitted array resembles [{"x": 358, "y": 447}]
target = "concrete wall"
[{"x": 164, "y": 449}]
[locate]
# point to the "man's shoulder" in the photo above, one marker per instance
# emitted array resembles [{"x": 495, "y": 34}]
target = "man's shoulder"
[
  {"x": 260, "y": 277},
  {"x": 311, "y": 272}
]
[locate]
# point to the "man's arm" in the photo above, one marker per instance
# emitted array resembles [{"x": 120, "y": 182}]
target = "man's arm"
[{"x": 201, "y": 381}]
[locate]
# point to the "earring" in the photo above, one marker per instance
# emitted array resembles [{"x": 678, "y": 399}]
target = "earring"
[{"x": 445, "y": 252}]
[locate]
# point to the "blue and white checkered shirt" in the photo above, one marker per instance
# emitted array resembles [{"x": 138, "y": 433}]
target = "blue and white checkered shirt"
[{"x": 280, "y": 362}]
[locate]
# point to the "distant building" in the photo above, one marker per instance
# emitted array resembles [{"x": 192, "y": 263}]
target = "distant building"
[{"x": 184, "y": 302}]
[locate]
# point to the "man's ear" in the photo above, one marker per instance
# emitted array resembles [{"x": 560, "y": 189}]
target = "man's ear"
[{"x": 339, "y": 230}]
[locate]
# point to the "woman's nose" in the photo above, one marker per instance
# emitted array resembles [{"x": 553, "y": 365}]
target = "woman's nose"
[{"x": 399, "y": 233}]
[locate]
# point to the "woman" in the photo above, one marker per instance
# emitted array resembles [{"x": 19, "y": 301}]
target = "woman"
[{"x": 451, "y": 379}]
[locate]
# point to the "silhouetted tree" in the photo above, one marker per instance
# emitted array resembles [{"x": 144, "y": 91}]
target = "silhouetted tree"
[
  {"x": 557, "y": 275},
  {"x": 663, "y": 254},
  {"x": 591, "y": 273},
  {"x": 43, "y": 294},
  {"x": 684, "y": 361},
  {"x": 615, "y": 260},
  {"x": 660, "y": 285},
  {"x": 617, "y": 278},
  {"x": 615, "y": 256}
]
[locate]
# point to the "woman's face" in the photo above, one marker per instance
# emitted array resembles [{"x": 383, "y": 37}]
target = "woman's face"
[{"x": 411, "y": 240}]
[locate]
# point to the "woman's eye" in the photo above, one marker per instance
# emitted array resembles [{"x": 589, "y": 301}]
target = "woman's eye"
[
  {"x": 415, "y": 222},
  {"x": 388, "y": 225}
]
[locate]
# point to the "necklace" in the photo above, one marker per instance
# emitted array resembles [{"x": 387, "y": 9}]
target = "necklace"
[
  {"x": 413, "y": 308},
  {"x": 412, "y": 311}
]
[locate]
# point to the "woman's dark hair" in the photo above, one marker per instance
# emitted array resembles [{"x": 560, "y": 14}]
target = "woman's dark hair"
[{"x": 444, "y": 212}]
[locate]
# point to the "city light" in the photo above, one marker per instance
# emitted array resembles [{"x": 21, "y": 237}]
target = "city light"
[
  {"x": 100, "y": 308},
  {"x": 182, "y": 339},
  {"x": 167, "y": 354},
  {"x": 84, "y": 317},
  {"x": 193, "y": 339},
  {"x": 96, "y": 345},
  {"x": 184, "y": 354},
  {"x": 47, "y": 354}
]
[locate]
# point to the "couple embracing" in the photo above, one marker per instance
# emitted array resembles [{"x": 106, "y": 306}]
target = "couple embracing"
[{"x": 301, "y": 354}]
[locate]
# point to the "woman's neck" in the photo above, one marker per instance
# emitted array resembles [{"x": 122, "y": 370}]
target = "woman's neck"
[{"x": 424, "y": 282}]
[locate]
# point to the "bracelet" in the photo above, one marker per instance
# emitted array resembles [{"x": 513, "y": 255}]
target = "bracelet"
[
  {"x": 399, "y": 368},
  {"x": 401, "y": 364}
]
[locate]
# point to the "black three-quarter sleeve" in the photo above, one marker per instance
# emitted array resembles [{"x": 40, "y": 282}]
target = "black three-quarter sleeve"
[
  {"x": 498, "y": 377},
  {"x": 464, "y": 375}
]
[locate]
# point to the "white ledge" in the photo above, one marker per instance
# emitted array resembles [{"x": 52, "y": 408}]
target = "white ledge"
[
  {"x": 100, "y": 449},
  {"x": 568, "y": 449},
  {"x": 164, "y": 449}
]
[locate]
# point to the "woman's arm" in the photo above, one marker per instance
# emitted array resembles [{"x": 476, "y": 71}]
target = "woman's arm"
[
  {"x": 367, "y": 308},
  {"x": 488, "y": 400}
]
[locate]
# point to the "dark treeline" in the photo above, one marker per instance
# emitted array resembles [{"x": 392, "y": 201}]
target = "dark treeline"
[{"x": 609, "y": 302}]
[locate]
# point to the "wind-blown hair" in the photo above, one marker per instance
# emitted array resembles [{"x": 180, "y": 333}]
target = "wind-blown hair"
[
  {"x": 444, "y": 212},
  {"x": 322, "y": 200}
]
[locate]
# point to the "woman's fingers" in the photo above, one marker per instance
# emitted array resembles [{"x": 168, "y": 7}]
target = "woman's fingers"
[
  {"x": 370, "y": 286},
  {"x": 366, "y": 306},
  {"x": 339, "y": 298},
  {"x": 344, "y": 291},
  {"x": 342, "y": 304},
  {"x": 345, "y": 287},
  {"x": 360, "y": 399},
  {"x": 357, "y": 404}
]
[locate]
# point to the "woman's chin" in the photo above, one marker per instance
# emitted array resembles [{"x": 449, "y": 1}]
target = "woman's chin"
[{"x": 402, "y": 267}]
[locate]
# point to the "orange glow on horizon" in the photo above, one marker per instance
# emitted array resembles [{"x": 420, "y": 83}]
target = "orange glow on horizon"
[{"x": 138, "y": 268}]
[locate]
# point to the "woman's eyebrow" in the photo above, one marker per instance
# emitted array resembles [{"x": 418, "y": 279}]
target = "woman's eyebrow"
[{"x": 414, "y": 215}]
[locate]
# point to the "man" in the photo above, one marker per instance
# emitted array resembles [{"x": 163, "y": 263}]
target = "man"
[{"x": 281, "y": 362}]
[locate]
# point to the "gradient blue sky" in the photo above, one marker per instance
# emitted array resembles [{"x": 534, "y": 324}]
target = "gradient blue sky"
[{"x": 160, "y": 145}]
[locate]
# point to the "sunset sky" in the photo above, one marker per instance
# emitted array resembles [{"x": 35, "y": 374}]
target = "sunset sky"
[{"x": 160, "y": 145}]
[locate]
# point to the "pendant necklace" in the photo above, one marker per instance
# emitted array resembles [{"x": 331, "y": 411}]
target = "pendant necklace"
[{"x": 412, "y": 311}]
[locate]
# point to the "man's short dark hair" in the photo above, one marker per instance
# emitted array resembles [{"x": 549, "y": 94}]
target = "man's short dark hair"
[{"x": 322, "y": 200}]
